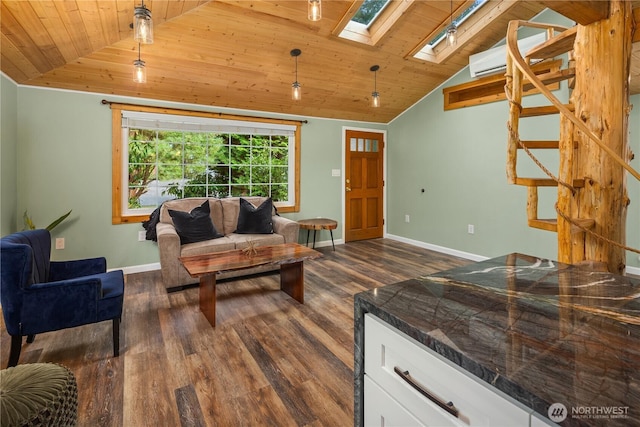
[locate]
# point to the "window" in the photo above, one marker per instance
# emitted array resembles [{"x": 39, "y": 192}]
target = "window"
[
  {"x": 369, "y": 11},
  {"x": 371, "y": 21},
  {"x": 169, "y": 155}
]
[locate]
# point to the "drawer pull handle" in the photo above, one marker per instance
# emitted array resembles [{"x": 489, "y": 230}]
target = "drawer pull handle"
[{"x": 449, "y": 407}]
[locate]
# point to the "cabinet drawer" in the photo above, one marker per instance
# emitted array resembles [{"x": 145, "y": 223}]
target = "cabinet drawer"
[
  {"x": 477, "y": 404},
  {"x": 381, "y": 410}
]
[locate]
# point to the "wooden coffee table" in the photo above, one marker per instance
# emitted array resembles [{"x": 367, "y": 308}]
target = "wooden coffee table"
[{"x": 289, "y": 256}]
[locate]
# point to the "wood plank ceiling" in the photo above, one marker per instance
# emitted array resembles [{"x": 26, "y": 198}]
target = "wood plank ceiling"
[{"x": 236, "y": 53}]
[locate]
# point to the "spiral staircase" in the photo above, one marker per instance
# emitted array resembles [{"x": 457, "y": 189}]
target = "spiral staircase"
[{"x": 575, "y": 227}]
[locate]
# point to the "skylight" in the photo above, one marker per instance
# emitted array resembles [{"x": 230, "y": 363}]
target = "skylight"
[
  {"x": 371, "y": 21},
  {"x": 458, "y": 20},
  {"x": 369, "y": 11}
]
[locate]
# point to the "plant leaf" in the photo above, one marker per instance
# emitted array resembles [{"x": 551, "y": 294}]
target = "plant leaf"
[
  {"x": 58, "y": 221},
  {"x": 28, "y": 223}
]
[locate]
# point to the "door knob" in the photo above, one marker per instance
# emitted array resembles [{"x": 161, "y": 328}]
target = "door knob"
[{"x": 348, "y": 188}]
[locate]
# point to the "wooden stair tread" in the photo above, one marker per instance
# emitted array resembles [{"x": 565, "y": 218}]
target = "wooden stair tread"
[
  {"x": 538, "y": 144},
  {"x": 562, "y": 43},
  {"x": 543, "y": 110},
  {"x": 543, "y": 144},
  {"x": 545, "y": 182},
  {"x": 552, "y": 224},
  {"x": 551, "y": 77},
  {"x": 544, "y": 224}
]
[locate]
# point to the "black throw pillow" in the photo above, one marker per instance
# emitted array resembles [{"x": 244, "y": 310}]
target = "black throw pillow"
[
  {"x": 252, "y": 220},
  {"x": 194, "y": 226}
]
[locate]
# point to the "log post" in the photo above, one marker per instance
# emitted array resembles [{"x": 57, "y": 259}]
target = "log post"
[
  {"x": 602, "y": 54},
  {"x": 567, "y": 253}
]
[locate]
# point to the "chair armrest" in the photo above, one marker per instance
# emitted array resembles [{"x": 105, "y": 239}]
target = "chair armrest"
[
  {"x": 63, "y": 304},
  {"x": 63, "y": 270},
  {"x": 169, "y": 248},
  {"x": 286, "y": 227}
]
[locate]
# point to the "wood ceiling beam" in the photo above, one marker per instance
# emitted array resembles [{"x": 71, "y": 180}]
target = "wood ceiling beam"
[{"x": 584, "y": 12}]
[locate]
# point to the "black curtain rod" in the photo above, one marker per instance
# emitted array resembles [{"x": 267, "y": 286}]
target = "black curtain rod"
[{"x": 106, "y": 102}]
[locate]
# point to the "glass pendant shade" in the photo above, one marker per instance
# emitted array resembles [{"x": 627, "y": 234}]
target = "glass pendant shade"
[
  {"x": 315, "y": 10},
  {"x": 296, "y": 91},
  {"x": 375, "y": 95},
  {"x": 142, "y": 25},
  {"x": 375, "y": 99},
  {"x": 451, "y": 34},
  {"x": 139, "y": 71}
]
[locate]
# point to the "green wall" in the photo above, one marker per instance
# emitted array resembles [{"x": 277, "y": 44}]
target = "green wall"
[
  {"x": 8, "y": 154},
  {"x": 64, "y": 162}
]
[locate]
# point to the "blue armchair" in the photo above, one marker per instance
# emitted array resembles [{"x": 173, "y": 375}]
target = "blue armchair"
[{"x": 39, "y": 295}]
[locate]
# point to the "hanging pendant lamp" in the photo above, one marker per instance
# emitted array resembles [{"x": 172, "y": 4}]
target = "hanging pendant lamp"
[
  {"x": 452, "y": 29},
  {"x": 375, "y": 96},
  {"x": 139, "y": 70},
  {"x": 296, "y": 89},
  {"x": 142, "y": 25},
  {"x": 314, "y": 10}
]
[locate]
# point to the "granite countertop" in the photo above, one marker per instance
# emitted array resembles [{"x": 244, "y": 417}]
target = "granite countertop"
[{"x": 542, "y": 332}]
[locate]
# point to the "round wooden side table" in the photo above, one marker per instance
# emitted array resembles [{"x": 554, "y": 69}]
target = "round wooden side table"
[{"x": 316, "y": 224}]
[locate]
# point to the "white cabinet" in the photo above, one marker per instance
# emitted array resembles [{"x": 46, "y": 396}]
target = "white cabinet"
[
  {"x": 537, "y": 421},
  {"x": 383, "y": 410},
  {"x": 408, "y": 384}
]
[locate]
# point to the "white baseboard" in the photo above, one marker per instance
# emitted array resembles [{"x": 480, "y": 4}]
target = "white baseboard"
[
  {"x": 466, "y": 255},
  {"x": 139, "y": 268},
  {"x": 437, "y": 248},
  {"x": 633, "y": 270},
  {"x": 325, "y": 243}
]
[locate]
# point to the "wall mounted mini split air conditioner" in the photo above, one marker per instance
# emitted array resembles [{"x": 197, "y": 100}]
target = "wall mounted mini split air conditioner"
[{"x": 494, "y": 60}]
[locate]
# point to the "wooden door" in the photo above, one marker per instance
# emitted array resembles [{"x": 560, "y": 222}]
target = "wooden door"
[{"x": 364, "y": 185}]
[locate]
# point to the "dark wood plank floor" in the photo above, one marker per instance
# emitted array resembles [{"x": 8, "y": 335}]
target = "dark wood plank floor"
[{"x": 269, "y": 360}]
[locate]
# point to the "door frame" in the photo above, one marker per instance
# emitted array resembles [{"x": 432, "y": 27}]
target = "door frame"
[{"x": 384, "y": 176}]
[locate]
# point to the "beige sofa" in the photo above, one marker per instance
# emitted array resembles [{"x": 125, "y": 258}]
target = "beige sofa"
[{"x": 224, "y": 214}]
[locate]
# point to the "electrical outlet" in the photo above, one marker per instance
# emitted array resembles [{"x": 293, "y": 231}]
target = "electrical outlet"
[
  {"x": 471, "y": 229},
  {"x": 407, "y": 218},
  {"x": 142, "y": 236},
  {"x": 59, "y": 242}
]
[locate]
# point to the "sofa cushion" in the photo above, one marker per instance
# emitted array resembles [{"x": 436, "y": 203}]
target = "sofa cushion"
[
  {"x": 187, "y": 204},
  {"x": 194, "y": 226},
  {"x": 255, "y": 220},
  {"x": 231, "y": 210}
]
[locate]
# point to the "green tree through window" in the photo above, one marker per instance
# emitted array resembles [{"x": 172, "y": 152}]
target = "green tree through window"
[
  {"x": 189, "y": 164},
  {"x": 368, "y": 11}
]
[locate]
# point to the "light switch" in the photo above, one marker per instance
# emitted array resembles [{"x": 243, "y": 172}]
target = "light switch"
[{"x": 335, "y": 172}]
